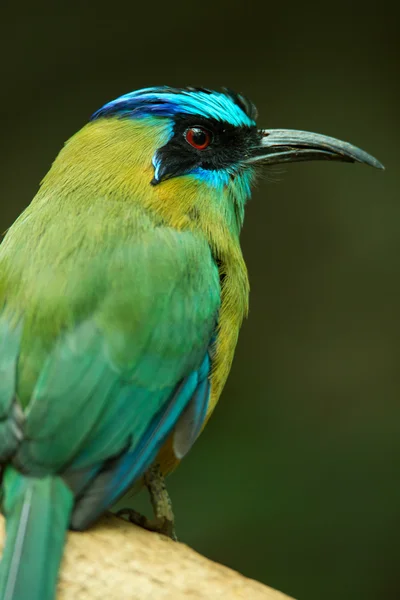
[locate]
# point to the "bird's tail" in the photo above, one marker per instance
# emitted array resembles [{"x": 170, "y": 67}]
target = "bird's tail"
[{"x": 37, "y": 514}]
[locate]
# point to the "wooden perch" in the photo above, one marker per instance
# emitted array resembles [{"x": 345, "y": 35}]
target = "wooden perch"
[{"x": 118, "y": 561}]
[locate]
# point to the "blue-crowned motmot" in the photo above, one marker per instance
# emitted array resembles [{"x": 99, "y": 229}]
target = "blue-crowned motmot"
[{"x": 123, "y": 288}]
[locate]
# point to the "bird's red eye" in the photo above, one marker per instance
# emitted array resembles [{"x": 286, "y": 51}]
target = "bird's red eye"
[{"x": 198, "y": 137}]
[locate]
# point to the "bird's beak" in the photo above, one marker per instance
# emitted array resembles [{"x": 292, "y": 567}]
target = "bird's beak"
[{"x": 289, "y": 145}]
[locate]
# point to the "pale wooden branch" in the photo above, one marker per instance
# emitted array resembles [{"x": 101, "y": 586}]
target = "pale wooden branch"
[{"x": 118, "y": 561}]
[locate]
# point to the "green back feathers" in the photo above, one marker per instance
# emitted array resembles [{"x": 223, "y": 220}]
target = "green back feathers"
[{"x": 125, "y": 286}]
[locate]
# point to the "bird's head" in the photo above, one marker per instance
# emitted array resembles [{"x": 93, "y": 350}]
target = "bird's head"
[{"x": 182, "y": 147}]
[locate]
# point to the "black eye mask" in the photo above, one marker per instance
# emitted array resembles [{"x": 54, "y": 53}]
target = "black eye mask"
[{"x": 229, "y": 145}]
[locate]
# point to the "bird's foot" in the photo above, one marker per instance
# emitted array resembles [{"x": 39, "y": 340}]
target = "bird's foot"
[
  {"x": 164, "y": 521},
  {"x": 161, "y": 525}
]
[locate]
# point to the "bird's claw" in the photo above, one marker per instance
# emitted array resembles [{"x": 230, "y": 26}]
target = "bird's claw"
[
  {"x": 164, "y": 521},
  {"x": 161, "y": 525}
]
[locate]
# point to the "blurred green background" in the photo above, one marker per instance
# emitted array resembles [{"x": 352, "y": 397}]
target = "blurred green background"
[{"x": 296, "y": 480}]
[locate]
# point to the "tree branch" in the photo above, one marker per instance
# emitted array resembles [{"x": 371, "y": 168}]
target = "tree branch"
[{"x": 116, "y": 560}]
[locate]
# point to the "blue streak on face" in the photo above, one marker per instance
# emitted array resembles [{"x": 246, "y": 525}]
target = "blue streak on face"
[
  {"x": 157, "y": 166},
  {"x": 240, "y": 182},
  {"x": 216, "y": 179},
  {"x": 162, "y": 102}
]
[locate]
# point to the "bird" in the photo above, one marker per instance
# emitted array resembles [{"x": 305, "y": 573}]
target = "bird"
[{"x": 122, "y": 290}]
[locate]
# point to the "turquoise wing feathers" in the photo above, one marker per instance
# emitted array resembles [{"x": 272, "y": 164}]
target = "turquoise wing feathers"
[
  {"x": 86, "y": 406},
  {"x": 110, "y": 380}
]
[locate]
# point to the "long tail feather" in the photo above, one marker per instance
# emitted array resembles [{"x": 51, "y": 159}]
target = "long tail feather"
[{"x": 37, "y": 516}]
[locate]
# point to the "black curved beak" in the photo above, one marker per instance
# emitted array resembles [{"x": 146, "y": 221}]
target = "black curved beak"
[{"x": 289, "y": 145}]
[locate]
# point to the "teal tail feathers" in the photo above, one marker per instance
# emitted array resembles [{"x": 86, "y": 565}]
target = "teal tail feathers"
[{"x": 37, "y": 514}]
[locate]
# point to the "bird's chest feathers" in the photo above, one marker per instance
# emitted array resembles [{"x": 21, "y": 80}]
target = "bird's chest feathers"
[{"x": 217, "y": 215}]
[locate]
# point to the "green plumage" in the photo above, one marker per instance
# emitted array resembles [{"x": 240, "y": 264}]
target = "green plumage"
[
  {"x": 116, "y": 290},
  {"x": 104, "y": 312}
]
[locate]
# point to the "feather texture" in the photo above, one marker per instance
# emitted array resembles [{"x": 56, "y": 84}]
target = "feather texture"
[{"x": 192, "y": 418}]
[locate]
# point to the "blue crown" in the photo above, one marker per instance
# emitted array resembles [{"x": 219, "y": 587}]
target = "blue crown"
[{"x": 167, "y": 102}]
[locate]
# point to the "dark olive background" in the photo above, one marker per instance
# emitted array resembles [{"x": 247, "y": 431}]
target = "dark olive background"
[{"x": 296, "y": 479}]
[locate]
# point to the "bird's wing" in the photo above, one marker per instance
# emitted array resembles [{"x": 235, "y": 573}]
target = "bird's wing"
[{"x": 115, "y": 384}]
